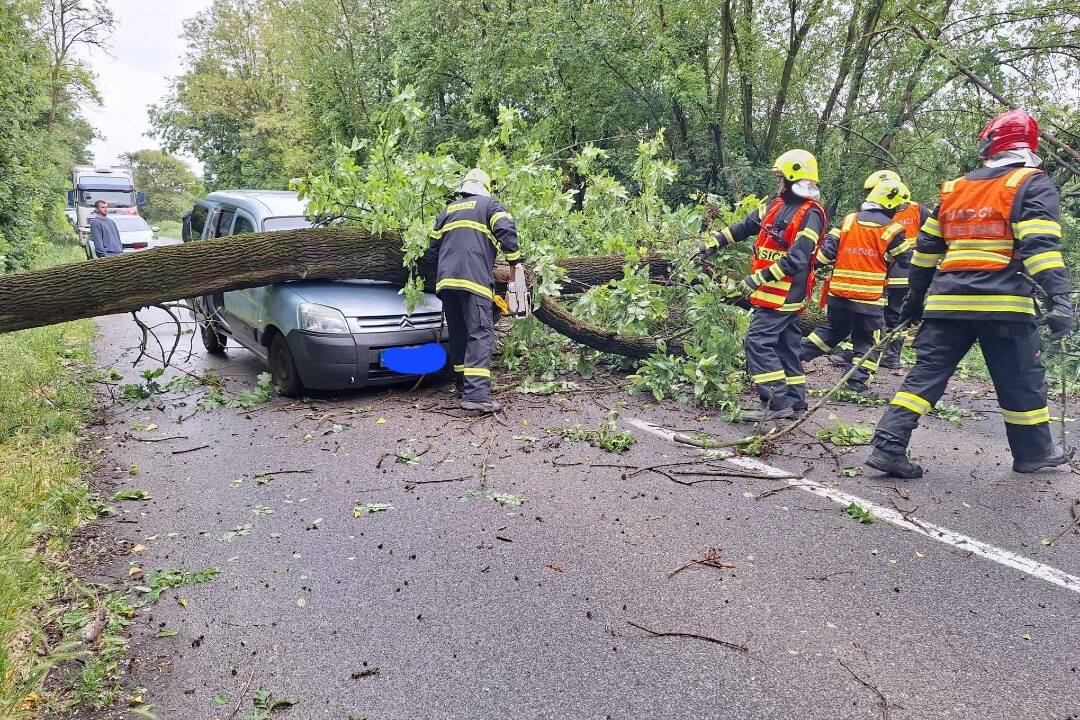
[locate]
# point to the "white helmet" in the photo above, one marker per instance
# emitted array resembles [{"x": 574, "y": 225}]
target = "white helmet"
[{"x": 475, "y": 182}]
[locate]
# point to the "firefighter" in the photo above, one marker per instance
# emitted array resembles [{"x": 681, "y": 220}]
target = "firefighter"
[
  {"x": 786, "y": 232},
  {"x": 466, "y": 235},
  {"x": 861, "y": 252},
  {"x": 992, "y": 228},
  {"x": 911, "y": 215}
]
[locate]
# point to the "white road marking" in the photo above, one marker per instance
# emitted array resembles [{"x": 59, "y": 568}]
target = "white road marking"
[{"x": 977, "y": 547}]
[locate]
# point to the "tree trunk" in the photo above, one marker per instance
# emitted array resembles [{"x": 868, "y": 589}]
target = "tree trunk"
[{"x": 126, "y": 283}]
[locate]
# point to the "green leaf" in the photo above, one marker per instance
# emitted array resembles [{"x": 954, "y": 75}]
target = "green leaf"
[{"x": 136, "y": 494}]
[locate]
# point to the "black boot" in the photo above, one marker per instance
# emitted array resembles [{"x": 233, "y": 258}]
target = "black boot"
[
  {"x": 1056, "y": 456},
  {"x": 480, "y": 408},
  {"x": 862, "y": 390},
  {"x": 840, "y": 359},
  {"x": 765, "y": 414},
  {"x": 897, "y": 466}
]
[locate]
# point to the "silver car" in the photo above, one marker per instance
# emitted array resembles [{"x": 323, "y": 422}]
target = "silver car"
[{"x": 315, "y": 334}]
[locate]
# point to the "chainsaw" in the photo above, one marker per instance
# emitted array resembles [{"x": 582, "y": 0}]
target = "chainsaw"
[{"x": 517, "y": 302}]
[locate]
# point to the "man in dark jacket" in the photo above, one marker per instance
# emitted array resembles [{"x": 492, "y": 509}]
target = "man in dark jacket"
[
  {"x": 103, "y": 232},
  {"x": 467, "y": 235},
  {"x": 993, "y": 228}
]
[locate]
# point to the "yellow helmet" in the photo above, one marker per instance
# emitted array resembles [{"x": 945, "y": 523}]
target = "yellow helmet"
[
  {"x": 889, "y": 194},
  {"x": 876, "y": 177},
  {"x": 797, "y": 165}
]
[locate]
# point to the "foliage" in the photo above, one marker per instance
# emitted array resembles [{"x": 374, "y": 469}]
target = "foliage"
[
  {"x": 955, "y": 414},
  {"x": 170, "y": 187},
  {"x": 845, "y": 435},
  {"x": 607, "y": 436},
  {"x": 501, "y": 498},
  {"x": 161, "y": 580},
  {"x": 43, "y": 134},
  {"x": 858, "y": 512},
  {"x": 266, "y": 704}
]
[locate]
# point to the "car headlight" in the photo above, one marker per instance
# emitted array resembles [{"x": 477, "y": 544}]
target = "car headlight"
[{"x": 320, "y": 319}]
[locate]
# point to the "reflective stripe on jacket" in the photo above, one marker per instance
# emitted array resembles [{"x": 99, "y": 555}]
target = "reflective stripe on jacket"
[
  {"x": 863, "y": 256},
  {"x": 912, "y": 218},
  {"x": 467, "y": 235},
  {"x": 992, "y": 225},
  {"x": 780, "y": 288}
]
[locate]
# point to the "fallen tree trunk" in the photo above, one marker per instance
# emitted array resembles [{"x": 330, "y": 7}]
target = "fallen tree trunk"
[{"x": 129, "y": 282}]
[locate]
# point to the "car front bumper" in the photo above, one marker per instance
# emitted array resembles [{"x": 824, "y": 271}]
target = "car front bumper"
[{"x": 339, "y": 362}]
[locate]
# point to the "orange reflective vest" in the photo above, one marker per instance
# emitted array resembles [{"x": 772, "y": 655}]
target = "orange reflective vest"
[
  {"x": 770, "y": 246},
  {"x": 911, "y": 218},
  {"x": 861, "y": 269},
  {"x": 976, "y": 224}
]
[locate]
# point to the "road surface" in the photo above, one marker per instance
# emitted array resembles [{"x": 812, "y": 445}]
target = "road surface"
[{"x": 454, "y": 605}]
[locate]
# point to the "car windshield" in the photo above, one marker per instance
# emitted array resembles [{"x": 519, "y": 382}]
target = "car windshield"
[
  {"x": 129, "y": 223},
  {"x": 121, "y": 198},
  {"x": 285, "y": 223}
]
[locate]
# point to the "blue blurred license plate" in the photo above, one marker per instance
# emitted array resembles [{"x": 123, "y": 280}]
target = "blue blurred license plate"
[{"x": 414, "y": 359}]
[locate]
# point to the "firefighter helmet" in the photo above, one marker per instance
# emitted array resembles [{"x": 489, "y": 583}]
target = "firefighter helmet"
[
  {"x": 889, "y": 194},
  {"x": 797, "y": 165},
  {"x": 876, "y": 177},
  {"x": 475, "y": 182},
  {"x": 1011, "y": 130}
]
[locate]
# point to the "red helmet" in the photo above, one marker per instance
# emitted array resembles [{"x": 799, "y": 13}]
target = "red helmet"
[{"x": 1008, "y": 131}]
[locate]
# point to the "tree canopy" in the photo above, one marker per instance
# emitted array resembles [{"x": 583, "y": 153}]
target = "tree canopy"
[
  {"x": 41, "y": 87},
  {"x": 271, "y": 85}
]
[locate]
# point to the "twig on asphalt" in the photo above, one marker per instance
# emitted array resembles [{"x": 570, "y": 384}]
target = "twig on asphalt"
[
  {"x": 283, "y": 472},
  {"x": 243, "y": 694},
  {"x": 770, "y": 493},
  {"x": 434, "y": 482},
  {"x": 162, "y": 439},
  {"x": 826, "y": 576},
  {"x": 694, "y": 636},
  {"x": 869, "y": 686},
  {"x": 1075, "y": 510},
  {"x": 188, "y": 450},
  {"x": 712, "y": 559},
  {"x": 556, "y": 463}
]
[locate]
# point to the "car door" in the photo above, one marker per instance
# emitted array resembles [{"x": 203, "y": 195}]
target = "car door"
[{"x": 245, "y": 306}]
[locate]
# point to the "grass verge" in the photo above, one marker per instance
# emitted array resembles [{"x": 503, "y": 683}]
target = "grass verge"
[{"x": 45, "y": 399}]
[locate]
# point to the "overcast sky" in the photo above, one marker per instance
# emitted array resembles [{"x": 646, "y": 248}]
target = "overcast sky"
[{"x": 146, "y": 51}]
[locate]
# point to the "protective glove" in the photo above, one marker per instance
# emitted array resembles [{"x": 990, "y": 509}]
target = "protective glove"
[
  {"x": 912, "y": 309},
  {"x": 1059, "y": 318},
  {"x": 749, "y": 284}
]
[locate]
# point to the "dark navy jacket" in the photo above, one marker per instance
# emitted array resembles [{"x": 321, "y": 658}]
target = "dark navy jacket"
[{"x": 467, "y": 234}]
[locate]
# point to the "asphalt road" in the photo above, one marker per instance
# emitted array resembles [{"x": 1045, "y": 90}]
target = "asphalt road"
[{"x": 452, "y": 605}]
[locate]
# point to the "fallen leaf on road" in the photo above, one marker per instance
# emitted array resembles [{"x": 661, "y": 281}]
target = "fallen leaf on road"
[
  {"x": 221, "y": 699},
  {"x": 138, "y": 548},
  {"x": 165, "y": 634},
  {"x": 136, "y": 494},
  {"x": 369, "y": 508},
  {"x": 300, "y": 602},
  {"x": 380, "y": 421},
  {"x": 135, "y": 571}
]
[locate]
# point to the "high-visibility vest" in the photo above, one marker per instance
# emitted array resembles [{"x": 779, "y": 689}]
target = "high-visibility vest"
[
  {"x": 860, "y": 269},
  {"x": 770, "y": 246},
  {"x": 976, "y": 224},
  {"x": 911, "y": 218}
]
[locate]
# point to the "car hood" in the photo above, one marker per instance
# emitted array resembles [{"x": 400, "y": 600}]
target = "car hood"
[
  {"x": 137, "y": 236},
  {"x": 356, "y": 298}
]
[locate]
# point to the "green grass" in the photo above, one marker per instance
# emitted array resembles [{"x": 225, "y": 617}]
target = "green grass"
[
  {"x": 44, "y": 402},
  {"x": 168, "y": 228}
]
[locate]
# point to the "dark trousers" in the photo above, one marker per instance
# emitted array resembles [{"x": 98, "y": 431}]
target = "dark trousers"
[
  {"x": 1012, "y": 351},
  {"x": 772, "y": 357},
  {"x": 472, "y": 340},
  {"x": 842, "y": 323},
  {"x": 895, "y": 297}
]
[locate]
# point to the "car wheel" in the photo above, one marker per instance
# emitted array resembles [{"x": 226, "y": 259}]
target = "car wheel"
[
  {"x": 212, "y": 340},
  {"x": 282, "y": 367}
]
